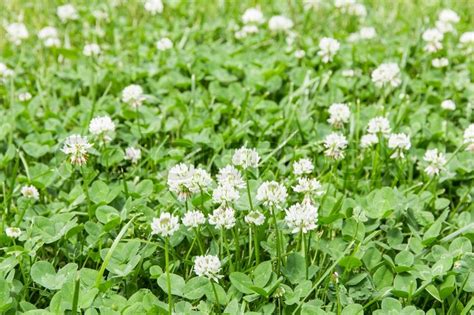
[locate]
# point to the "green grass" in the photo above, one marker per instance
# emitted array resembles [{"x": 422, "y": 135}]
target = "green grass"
[{"x": 389, "y": 239}]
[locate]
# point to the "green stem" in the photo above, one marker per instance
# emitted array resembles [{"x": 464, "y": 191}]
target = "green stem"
[
  {"x": 216, "y": 296},
  {"x": 278, "y": 246},
  {"x": 168, "y": 278}
]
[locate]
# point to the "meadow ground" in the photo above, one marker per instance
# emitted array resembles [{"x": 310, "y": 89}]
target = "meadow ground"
[{"x": 238, "y": 157}]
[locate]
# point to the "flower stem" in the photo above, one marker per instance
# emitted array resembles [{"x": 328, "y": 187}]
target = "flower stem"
[
  {"x": 168, "y": 278},
  {"x": 277, "y": 232},
  {"x": 216, "y": 296}
]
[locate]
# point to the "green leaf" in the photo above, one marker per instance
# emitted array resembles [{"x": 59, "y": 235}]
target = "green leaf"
[
  {"x": 353, "y": 309},
  {"x": 43, "y": 273},
  {"x": 177, "y": 284},
  {"x": 383, "y": 277},
  {"x": 262, "y": 274},
  {"x": 241, "y": 282},
  {"x": 195, "y": 288},
  {"x": 295, "y": 268}
]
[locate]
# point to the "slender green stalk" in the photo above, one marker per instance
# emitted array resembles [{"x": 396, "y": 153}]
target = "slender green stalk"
[
  {"x": 75, "y": 299},
  {"x": 256, "y": 245},
  {"x": 278, "y": 245},
  {"x": 168, "y": 277},
  {"x": 218, "y": 304}
]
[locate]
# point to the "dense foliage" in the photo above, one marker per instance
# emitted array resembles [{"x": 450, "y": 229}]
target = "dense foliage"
[{"x": 239, "y": 157}]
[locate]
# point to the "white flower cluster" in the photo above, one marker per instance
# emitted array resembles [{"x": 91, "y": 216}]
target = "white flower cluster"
[
  {"x": 223, "y": 218},
  {"x": 133, "y": 154},
  {"x": 91, "y": 50},
  {"x": 387, "y": 74},
  {"x": 24, "y": 96},
  {"x": 251, "y": 18},
  {"x": 30, "y": 192},
  {"x": 193, "y": 219},
  {"x": 351, "y": 7},
  {"x": 448, "y": 105},
  {"x": 5, "y": 72},
  {"x": 13, "y": 232},
  {"x": 153, "y": 6},
  {"x": 102, "y": 126},
  {"x": 271, "y": 193},
  {"x": 77, "y": 148},
  {"x": 466, "y": 42},
  {"x": 185, "y": 180},
  {"x": 164, "y": 44},
  {"x": 67, "y": 12},
  {"x": 364, "y": 33},
  {"x": 133, "y": 95},
  {"x": 399, "y": 142},
  {"x": 469, "y": 137},
  {"x": 432, "y": 38},
  {"x": 328, "y": 47},
  {"x": 306, "y": 185},
  {"x": 164, "y": 226},
  {"x": 335, "y": 144},
  {"x": 436, "y": 162},
  {"x": 16, "y": 33},
  {"x": 446, "y": 19},
  {"x": 246, "y": 158},
  {"x": 280, "y": 23},
  {"x": 50, "y": 36},
  {"x": 255, "y": 217},
  {"x": 440, "y": 62},
  {"x": 339, "y": 114},
  {"x": 208, "y": 266},
  {"x": 301, "y": 217}
]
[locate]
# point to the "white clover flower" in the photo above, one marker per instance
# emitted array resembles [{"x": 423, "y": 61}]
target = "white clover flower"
[
  {"x": 368, "y": 140},
  {"x": 223, "y": 218},
  {"x": 100, "y": 126},
  {"x": 200, "y": 181},
  {"x": 271, "y": 193},
  {"x": 100, "y": 15},
  {"x": 299, "y": 54},
  {"x": 245, "y": 31},
  {"x": 166, "y": 225},
  {"x": 208, "y": 266},
  {"x": 444, "y": 27},
  {"x": 448, "y": 105},
  {"x": 328, "y": 48},
  {"x": 24, "y": 97},
  {"x": 379, "y": 125},
  {"x": 92, "y": 49},
  {"x": 231, "y": 176},
  {"x": 133, "y": 95},
  {"x": 280, "y": 23},
  {"x": 193, "y": 219},
  {"x": 348, "y": 73},
  {"x": 469, "y": 137},
  {"x": 448, "y": 16},
  {"x": 164, "y": 44},
  {"x": 433, "y": 38},
  {"x": 255, "y": 217},
  {"x": 67, "y": 12},
  {"x": 133, "y": 154},
  {"x": 466, "y": 42},
  {"x": 436, "y": 162},
  {"x": 224, "y": 194},
  {"x": 387, "y": 74},
  {"x": 49, "y": 36},
  {"x": 365, "y": 33},
  {"x": 77, "y": 148},
  {"x": 301, "y": 217},
  {"x": 303, "y": 166},
  {"x": 153, "y": 6},
  {"x": 351, "y": 7},
  {"x": 440, "y": 62},
  {"x": 16, "y": 32},
  {"x": 339, "y": 114},
  {"x": 48, "y": 32},
  {"x": 311, "y": 4},
  {"x": 308, "y": 186},
  {"x": 253, "y": 16},
  {"x": 5, "y": 72},
  {"x": 13, "y": 232},
  {"x": 399, "y": 142},
  {"x": 246, "y": 158},
  {"x": 179, "y": 180},
  {"x": 335, "y": 144},
  {"x": 30, "y": 192}
]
